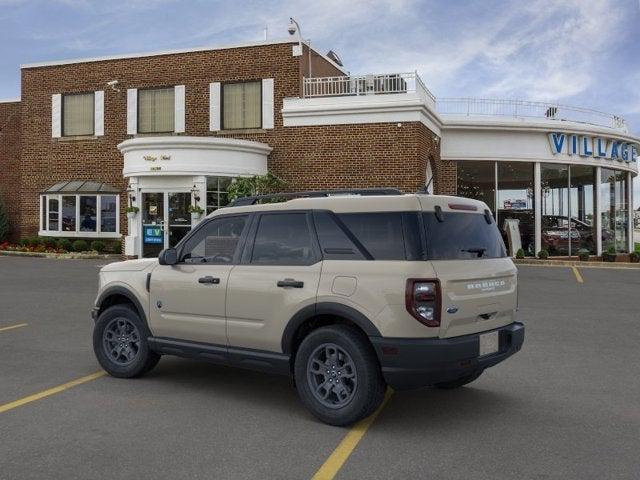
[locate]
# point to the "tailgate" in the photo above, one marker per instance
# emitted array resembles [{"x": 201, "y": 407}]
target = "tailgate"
[{"x": 477, "y": 295}]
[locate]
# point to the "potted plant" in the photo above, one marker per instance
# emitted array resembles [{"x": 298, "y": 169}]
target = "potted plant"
[
  {"x": 195, "y": 212},
  {"x": 131, "y": 212},
  {"x": 543, "y": 254},
  {"x": 583, "y": 254},
  {"x": 520, "y": 254},
  {"x": 610, "y": 255}
]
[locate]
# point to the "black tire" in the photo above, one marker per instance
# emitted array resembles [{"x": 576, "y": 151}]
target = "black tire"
[
  {"x": 459, "y": 382},
  {"x": 135, "y": 357},
  {"x": 363, "y": 392}
]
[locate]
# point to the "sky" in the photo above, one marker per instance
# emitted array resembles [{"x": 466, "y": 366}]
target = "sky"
[{"x": 577, "y": 52}]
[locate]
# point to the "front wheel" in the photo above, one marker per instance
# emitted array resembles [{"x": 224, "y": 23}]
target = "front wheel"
[
  {"x": 120, "y": 343},
  {"x": 338, "y": 376}
]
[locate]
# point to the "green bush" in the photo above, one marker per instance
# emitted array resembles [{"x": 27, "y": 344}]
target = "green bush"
[
  {"x": 634, "y": 257},
  {"x": 583, "y": 254},
  {"x": 258, "y": 185},
  {"x": 4, "y": 222},
  {"x": 611, "y": 250},
  {"x": 520, "y": 253},
  {"x": 34, "y": 241},
  {"x": 24, "y": 242},
  {"x": 80, "y": 246},
  {"x": 48, "y": 242},
  {"x": 65, "y": 244},
  {"x": 98, "y": 246},
  {"x": 116, "y": 246},
  {"x": 543, "y": 254}
]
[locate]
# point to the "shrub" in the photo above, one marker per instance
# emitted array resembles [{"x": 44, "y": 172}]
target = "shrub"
[
  {"x": 610, "y": 255},
  {"x": 65, "y": 244},
  {"x": 583, "y": 254},
  {"x": 634, "y": 257},
  {"x": 48, "y": 242},
  {"x": 258, "y": 185},
  {"x": 34, "y": 242},
  {"x": 4, "y": 222},
  {"x": 543, "y": 254},
  {"x": 80, "y": 246},
  {"x": 98, "y": 246},
  {"x": 24, "y": 242},
  {"x": 520, "y": 253},
  {"x": 116, "y": 246},
  {"x": 611, "y": 250}
]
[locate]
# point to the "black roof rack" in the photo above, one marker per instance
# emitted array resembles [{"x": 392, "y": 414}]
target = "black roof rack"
[{"x": 240, "y": 202}]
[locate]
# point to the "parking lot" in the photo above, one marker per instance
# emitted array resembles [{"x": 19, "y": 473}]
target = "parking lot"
[{"x": 566, "y": 406}]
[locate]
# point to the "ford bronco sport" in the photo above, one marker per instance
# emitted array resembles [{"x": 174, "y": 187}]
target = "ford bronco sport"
[{"x": 345, "y": 292}]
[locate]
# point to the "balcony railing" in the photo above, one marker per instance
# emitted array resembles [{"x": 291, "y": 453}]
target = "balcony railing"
[
  {"x": 527, "y": 109},
  {"x": 366, "y": 85}
]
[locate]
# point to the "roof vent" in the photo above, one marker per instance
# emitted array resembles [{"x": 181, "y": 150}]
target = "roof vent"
[{"x": 334, "y": 57}]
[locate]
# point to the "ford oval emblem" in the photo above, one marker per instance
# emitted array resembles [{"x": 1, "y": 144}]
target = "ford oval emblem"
[{"x": 452, "y": 309}]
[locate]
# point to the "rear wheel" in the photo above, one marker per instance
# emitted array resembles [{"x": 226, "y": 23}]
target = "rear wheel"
[
  {"x": 120, "y": 343},
  {"x": 459, "y": 382},
  {"x": 338, "y": 376}
]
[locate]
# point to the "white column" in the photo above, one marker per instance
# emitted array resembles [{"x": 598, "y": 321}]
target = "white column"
[
  {"x": 598, "y": 213},
  {"x": 132, "y": 242},
  {"x": 630, "y": 211},
  {"x": 537, "y": 204}
]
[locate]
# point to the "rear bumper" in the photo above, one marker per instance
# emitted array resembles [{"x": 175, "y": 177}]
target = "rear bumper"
[{"x": 418, "y": 362}]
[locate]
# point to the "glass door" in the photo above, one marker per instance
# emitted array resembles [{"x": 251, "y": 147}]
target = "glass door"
[
  {"x": 179, "y": 216},
  {"x": 153, "y": 224}
]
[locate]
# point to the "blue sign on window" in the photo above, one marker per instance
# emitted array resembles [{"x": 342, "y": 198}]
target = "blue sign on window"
[{"x": 153, "y": 234}]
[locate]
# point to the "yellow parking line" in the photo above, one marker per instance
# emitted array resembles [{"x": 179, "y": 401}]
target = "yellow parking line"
[
  {"x": 576, "y": 272},
  {"x": 334, "y": 463},
  {"x": 2, "y": 329},
  {"x": 52, "y": 391}
]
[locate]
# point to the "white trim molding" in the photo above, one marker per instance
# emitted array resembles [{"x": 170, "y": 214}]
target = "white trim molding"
[
  {"x": 267, "y": 103},
  {"x": 56, "y": 115},
  {"x": 98, "y": 122},
  {"x": 184, "y": 155},
  {"x": 214, "y": 107},
  {"x": 179, "y": 108},
  {"x": 132, "y": 111}
]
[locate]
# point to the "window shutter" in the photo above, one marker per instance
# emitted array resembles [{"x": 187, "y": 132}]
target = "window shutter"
[
  {"x": 98, "y": 111},
  {"x": 132, "y": 111},
  {"x": 56, "y": 115},
  {"x": 214, "y": 106},
  {"x": 179, "y": 109},
  {"x": 267, "y": 103}
]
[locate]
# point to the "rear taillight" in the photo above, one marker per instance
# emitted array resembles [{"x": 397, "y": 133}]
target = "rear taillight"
[{"x": 423, "y": 301}]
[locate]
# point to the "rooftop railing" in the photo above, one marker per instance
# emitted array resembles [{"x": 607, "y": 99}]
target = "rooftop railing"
[
  {"x": 527, "y": 109},
  {"x": 376, "y": 84},
  {"x": 389, "y": 83}
]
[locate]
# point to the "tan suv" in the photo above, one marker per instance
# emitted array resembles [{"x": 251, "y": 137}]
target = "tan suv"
[{"x": 347, "y": 292}]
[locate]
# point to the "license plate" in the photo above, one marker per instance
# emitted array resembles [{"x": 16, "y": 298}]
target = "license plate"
[{"x": 489, "y": 343}]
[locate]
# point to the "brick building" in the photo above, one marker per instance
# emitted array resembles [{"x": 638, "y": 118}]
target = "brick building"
[{"x": 162, "y": 131}]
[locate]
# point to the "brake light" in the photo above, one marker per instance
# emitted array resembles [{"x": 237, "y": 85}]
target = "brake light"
[{"x": 423, "y": 301}]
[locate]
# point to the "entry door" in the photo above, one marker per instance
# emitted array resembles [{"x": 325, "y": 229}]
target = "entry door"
[
  {"x": 165, "y": 220},
  {"x": 279, "y": 275},
  {"x": 187, "y": 300}
]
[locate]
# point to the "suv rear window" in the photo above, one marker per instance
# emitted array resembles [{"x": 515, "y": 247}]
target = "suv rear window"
[
  {"x": 461, "y": 236},
  {"x": 380, "y": 233}
]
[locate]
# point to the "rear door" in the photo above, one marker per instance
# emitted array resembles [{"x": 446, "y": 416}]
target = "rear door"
[
  {"x": 478, "y": 281},
  {"x": 278, "y": 275}
]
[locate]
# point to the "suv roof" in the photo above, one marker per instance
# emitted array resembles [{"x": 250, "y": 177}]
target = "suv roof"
[{"x": 343, "y": 201}]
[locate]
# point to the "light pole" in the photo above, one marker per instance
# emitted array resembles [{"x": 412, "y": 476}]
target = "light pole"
[{"x": 294, "y": 27}]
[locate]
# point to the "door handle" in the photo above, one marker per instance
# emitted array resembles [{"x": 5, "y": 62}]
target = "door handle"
[
  {"x": 209, "y": 280},
  {"x": 290, "y": 282}
]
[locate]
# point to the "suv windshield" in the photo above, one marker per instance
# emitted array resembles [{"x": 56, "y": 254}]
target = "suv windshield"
[{"x": 460, "y": 236}]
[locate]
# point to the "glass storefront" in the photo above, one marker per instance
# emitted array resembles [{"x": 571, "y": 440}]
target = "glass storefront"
[
  {"x": 569, "y": 199},
  {"x": 614, "y": 209}
]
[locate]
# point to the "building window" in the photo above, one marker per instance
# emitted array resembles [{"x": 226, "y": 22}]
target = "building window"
[
  {"x": 217, "y": 192},
  {"x": 582, "y": 204},
  {"x": 81, "y": 215},
  {"x": 156, "y": 110},
  {"x": 515, "y": 208},
  {"x": 614, "y": 209},
  {"x": 78, "y": 114},
  {"x": 477, "y": 180},
  {"x": 242, "y": 105}
]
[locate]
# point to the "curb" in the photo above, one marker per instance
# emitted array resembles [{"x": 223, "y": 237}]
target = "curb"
[
  {"x": 61, "y": 256},
  {"x": 576, "y": 263}
]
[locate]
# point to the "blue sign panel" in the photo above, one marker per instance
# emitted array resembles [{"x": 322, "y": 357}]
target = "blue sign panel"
[{"x": 153, "y": 234}]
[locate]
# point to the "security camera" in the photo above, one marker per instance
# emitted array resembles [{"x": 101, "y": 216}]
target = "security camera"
[
  {"x": 291, "y": 29},
  {"x": 113, "y": 84}
]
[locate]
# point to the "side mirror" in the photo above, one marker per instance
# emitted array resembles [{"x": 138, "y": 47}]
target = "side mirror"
[{"x": 168, "y": 256}]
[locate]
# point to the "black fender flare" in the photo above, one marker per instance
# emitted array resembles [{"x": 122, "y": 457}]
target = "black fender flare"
[
  {"x": 125, "y": 292},
  {"x": 326, "y": 308}
]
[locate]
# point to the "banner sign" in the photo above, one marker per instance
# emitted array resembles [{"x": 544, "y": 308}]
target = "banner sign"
[
  {"x": 153, "y": 234},
  {"x": 597, "y": 147}
]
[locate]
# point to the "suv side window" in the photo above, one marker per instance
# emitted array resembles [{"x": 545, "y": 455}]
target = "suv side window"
[
  {"x": 283, "y": 239},
  {"x": 381, "y": 233},
  {"x": 334, "y": 241},
  {"x": 216, "y": 242}
]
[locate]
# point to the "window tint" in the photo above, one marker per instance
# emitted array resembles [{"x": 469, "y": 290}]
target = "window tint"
[
  {"x": 216, "y": 242},
  {"x": 283, "y": 239},
  {"x": 334, "y": 242},
  {"x": 380, "y": 233},
  {"x": 462, "y": 236}
]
